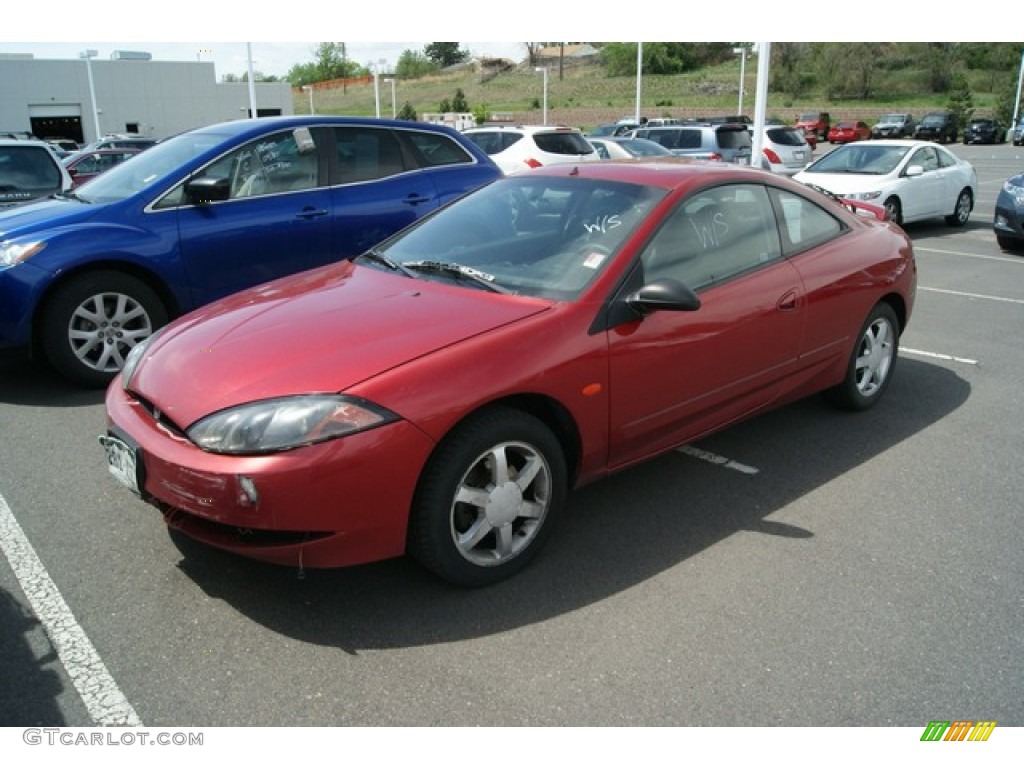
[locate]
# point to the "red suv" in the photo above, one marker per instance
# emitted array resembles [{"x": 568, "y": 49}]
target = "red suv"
[{"x": 816, "y": 123}]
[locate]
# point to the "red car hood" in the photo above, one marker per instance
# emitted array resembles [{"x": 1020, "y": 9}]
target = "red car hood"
[{"x": 321, "y": 331}]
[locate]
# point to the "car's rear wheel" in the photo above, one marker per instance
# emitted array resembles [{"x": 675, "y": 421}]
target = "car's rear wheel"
[
  {"x": 962, "y": 211},
  {"x": 871, "y": 362},
  {"x": 90, "y": 324},
  {"x": 487, "y": 498},
  {"x": 894, "y": 210}
]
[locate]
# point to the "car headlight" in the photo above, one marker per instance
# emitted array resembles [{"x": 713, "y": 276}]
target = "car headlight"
[
  {"x": 283, "y": 423},
  {"x": 131, "y": 362},
  {"x": 865, "y": 195},
  {"x": 1017, "y": 193},
  {"x": 13, "y": 252}
]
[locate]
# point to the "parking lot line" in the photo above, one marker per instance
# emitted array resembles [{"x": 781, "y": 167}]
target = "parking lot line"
[
  {"x": 103, "y": 699},
  {"x": 714, "y": 458},
  {"x": 971, "y": 295},
  {"x": 963, "y": 254},
  {"x": 938, "y": 356}
]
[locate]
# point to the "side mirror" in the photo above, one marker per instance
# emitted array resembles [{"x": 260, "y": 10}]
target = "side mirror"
[
  {"x": 208, "y": 189},
  {"x": 914, "y": 170},
  {"x": 666, "y": 294}
]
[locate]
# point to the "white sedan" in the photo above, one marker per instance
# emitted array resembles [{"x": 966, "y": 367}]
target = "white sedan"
[{"x": 913, "y": 180}]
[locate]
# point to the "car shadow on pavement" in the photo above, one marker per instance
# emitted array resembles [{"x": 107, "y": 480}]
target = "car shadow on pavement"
[
  {"x": 29, "y": 684},
  {"x": 615, "y": 533},
  {"x": 27, "y": 382}
]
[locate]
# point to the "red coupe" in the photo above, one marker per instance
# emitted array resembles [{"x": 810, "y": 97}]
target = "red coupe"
[
  {"x": 440, "y": 394},
  {"x": 847, "y": 131}
]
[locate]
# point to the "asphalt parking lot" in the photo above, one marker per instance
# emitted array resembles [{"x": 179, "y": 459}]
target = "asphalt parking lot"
[{"x": 806, "y": 568}]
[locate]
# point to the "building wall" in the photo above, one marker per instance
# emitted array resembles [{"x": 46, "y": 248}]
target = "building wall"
[{"x": 161, "y": 98}]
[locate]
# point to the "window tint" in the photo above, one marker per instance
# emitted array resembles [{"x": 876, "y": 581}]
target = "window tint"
[
  {"x": 433, "y": 149},
  {"x": 804, "y": 224},
  {"x": 366, "y": 153},
  {"x": 713, "y": 236},
  {"x": 787, "y": 137},
  {"x": 562, "y": 143},
  {"x": 268, "y": 165},
  {"x": 733, "y": 137}
]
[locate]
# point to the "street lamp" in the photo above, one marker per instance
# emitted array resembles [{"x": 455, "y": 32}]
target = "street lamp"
[
  {"x": 394, "y": 109},
  {"x": 88, "y": 55},
  {"x": 742, "y": 53},
  {"x": 544, "y": 71},
  {"x": 309, "y": 89},
  {"x": 376, "y": 83}
]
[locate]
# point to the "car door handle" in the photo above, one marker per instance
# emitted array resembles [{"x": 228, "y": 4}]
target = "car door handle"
[
  {"x": 788, "y": 302},
  {"x": 310, "y": 213},
  {"x": 415, "y": 199}
]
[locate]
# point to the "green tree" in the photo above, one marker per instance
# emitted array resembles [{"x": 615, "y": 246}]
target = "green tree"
[
  {"x": 407, "y": 112},
  {"x": 445, "y": 54},
  {"x": 961, "y": 101},
  {"x": 412, "y": 65},
  {"x": 459, "y": 103},
  {"x": 788, "y": 60}
]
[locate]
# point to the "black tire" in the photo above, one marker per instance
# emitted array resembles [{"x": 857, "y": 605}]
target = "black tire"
[
  {"x": 872, "y": 362},
  {"x": 1008, "y": 243},
  {"x": 90, "y": 324},
  {"x": 962, "y": 211},
  {"x": 510, "y": 471},
  {"x": 894, "y": 210}
]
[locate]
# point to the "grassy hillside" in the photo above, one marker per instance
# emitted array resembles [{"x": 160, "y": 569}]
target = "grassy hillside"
[{"x": 585, "y": 96}]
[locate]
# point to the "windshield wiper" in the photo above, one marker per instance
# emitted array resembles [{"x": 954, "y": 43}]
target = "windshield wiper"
[
  {"x": 379, "y": 258},
  {"x": 69, "y": 195},
  {"x": 457, "y": 270}
]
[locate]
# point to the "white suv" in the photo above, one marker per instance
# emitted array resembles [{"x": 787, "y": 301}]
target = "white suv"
[
  {"x": 29, "y": 170},
  {"x": 518, "y": 147}
]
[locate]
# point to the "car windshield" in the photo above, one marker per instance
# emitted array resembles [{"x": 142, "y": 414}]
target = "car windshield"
[
  {"x": 535, "y": 236},
  {"x": 893, "y": 118},
  {"x": 147, "y": 168},
  {"x": 874, "y": 159},
  {"x": 933, "y": 120},
  {"x": 27, "y": 171}
]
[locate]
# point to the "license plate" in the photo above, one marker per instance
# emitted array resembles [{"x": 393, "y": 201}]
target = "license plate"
[
  {"x": 121, "y": 462},
  {"x": 799, "y": 154}
]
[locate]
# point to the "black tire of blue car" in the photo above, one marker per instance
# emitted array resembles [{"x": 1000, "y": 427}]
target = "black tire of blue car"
[
  {"x": 488, "y": 498},
  {"x": 90, "y": 324},
  {"x": 872, "y": 362},
  {"x": 962, "y": 211}
]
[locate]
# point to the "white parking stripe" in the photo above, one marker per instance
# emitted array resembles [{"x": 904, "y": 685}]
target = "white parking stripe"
[
  {"x": 962, "y": 254},
  {"x": 106, "y": 704},
  {"x": 938, "y": 356},
  {"x": 972, "y": 295},
  {"x": 714, "y": 458}
]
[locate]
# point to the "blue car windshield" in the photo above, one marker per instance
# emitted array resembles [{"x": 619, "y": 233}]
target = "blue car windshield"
[
  {"x": 535, "y": 236},
  {"x": 146, "y": 168}
]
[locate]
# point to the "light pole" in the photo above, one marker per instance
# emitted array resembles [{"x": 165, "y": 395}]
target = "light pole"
[
  {"x": 544, "y": 113},
  {"x": 639, "y": 78},
  {"x": 376, "y": 83},
  {"x": 88, "y": 56},
  {"x": 742, "y": 52},
  {"x": 252, "y": 82},
  {"x": 309, "y": 89},
  {"x": 394, "y": 109}
]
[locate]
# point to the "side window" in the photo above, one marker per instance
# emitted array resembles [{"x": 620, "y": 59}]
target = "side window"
[
  {"x": 366, "y": 153},
  {"x": 715, "y": 235},
  {"x": 689, "y": 139},
  {"x": 602, "y": 150},
  {"x": 805, "y": 224},
  {"x": 434, "y": 149},
  {"x": 925, "y": 157}
]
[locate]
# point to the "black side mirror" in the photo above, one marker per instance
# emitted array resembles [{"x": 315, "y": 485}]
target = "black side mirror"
[
  {"x": 208, "y": 189},
  {"x": 666, "y": 294}
]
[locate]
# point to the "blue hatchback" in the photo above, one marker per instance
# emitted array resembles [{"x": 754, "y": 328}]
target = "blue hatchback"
[{"x": 86, "y": 276}]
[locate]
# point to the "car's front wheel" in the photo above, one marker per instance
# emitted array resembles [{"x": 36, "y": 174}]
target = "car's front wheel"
[
  {"x": 871, "y": 363},
  {"x": 893, "y": 210},
  {"x": 487, "y": 498},
  {"x": 962, "y": 211},
  {"x": 92, "y": 322}
]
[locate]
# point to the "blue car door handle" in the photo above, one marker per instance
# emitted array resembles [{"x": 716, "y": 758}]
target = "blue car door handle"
[
  {"x": 310, "y": 213},
  {"x": 415, "y": 199}
]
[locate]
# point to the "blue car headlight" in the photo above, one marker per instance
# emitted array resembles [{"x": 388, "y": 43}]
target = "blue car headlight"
[
  {"x": 1014, "y": 191},
  {"x": 282, "y": 423},
  {"x": 13, "y": 251}
]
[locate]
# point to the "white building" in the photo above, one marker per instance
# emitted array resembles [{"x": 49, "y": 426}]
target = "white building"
[{"x": 51, "y": 97}]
